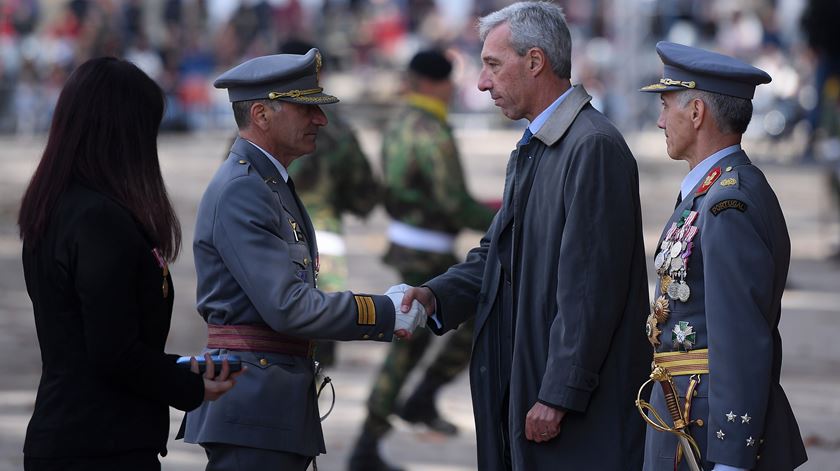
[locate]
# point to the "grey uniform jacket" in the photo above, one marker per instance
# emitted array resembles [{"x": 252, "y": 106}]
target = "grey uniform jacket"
[
  {"x": 571, "y": 219},
  {"x": 255, "y": 268},
  {"x": 736, "y": 273}
]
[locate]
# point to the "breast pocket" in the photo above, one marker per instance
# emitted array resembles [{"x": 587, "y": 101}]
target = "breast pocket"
[{"x": 301, "y": 263}]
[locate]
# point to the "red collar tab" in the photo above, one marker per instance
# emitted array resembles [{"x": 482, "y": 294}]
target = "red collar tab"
[{"x": 710, "y": 179}]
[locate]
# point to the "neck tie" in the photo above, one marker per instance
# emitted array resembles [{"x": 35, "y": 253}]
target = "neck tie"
[
  {"x": 679, "y": 199},
  {"x": 526, "y": 138}
]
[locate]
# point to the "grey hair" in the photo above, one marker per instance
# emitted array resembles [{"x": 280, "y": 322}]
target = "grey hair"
[
  {"x": 731, "y": 114},
  {"x": 242, "y": 110},
  {"x": 535, "y": 24}
]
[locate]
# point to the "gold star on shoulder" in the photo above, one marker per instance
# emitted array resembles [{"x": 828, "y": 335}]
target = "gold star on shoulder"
[
  {"x": 745, "y": 419},
  {"x": 720, "y": 434},
  {"x": 730, "y": 417},
  {"x": 750, "y": 441}
]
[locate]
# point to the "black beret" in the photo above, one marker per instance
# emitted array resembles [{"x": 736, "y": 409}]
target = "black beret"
[{"x": 431, "y": 64}]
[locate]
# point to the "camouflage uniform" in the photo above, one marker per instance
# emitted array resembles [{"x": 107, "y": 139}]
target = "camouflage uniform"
[
  {"x": 425, "y": 188},
  {"x": 335, "y": 179}
]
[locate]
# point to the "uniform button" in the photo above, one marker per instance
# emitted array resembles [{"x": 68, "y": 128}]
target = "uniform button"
[
  {"x": 728, "y": 169},
  {"x": 263, "y": 362},
  {"x": 366, "y": 336},
  {"x": 305, "y": 261},
  {"x": 381, "y": 335},
  {"x": 242, "y": 162},
  {"x": 757, "y": 457},
  {"x": 483, "y": 369}
]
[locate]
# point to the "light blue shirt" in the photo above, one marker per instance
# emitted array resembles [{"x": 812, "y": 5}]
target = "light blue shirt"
[
  {"x": 697, "y": 173},
  {"x": 280, "y": 167},
  {"x": 538, "y": 122}
]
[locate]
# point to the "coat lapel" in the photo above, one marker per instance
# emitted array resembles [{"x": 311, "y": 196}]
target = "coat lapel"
[
  {"x": 520, "y": 175},
  {"x": 271, "y": 176}
]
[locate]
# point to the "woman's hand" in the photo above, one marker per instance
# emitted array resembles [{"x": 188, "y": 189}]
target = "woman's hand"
[{"x": 215, "y": 386}]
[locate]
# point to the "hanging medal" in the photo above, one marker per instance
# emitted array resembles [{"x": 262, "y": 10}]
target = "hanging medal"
[
  {"x": 683, "y": 336},
  {"x": 671, "y": 262}
]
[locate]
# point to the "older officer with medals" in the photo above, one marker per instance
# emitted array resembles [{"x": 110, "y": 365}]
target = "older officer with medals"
[
  {"x": 256, "y": 260},
  {"x": 722, "y": 262}
]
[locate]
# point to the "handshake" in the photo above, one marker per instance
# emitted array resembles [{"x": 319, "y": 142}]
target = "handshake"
[{"x": 405, "y": 321}]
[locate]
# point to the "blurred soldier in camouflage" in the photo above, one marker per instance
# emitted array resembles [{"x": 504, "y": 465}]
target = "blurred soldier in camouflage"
[
  {"x": 426, "y": 195},
  {"x": 334, "y": 180}
]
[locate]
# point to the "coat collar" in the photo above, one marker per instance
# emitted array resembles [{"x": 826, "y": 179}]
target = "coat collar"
[
  {"x": 563, "y": 117},
  {"x": 267, "y": 170}
]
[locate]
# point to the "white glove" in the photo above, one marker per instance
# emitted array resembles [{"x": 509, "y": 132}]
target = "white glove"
[{"x": 410, "y": 320}]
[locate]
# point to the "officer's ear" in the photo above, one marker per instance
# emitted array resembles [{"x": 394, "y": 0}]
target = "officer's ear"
[
  {"x": 536, "y": 61},
  {"x": 259, "y": 116},
  {"x": 698, "y": 112}
]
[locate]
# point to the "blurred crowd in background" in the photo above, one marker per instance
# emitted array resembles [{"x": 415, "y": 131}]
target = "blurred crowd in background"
[{"x": 184, "y": 44}]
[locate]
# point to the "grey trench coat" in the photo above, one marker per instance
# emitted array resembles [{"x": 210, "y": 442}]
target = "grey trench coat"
[{"x": 572, "y": 219}]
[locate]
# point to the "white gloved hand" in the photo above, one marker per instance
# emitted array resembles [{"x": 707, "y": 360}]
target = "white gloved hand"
[{"x": 410, "y": 320}]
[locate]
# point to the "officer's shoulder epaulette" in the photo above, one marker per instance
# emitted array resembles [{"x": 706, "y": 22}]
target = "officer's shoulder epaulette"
[
  {"x": 239, "y": 166},
  {"x": 729, "y": 178},
  {"x": 726, "y": 193}
]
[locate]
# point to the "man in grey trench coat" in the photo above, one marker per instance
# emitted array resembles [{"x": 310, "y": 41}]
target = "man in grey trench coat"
[{"x": 558, "y": 284}]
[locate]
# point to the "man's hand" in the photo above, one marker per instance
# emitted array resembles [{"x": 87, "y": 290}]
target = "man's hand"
[
  {"x": 422, "y": 294},
  {"x": 406, "y": 319},
  {"x": 542, "y": 423}
]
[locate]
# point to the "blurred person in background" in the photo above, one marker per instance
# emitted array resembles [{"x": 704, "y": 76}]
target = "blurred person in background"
[
  {"x": 558, "y": 286},
  {"x": 256, "y": 259},
  {"x": 722, "y": 262},
  {"x": 819, "y": 24},
  {"x": 334, "y": 180},
  {"x": 98, "y": 233},
  {"x": 427, "y": 198}
]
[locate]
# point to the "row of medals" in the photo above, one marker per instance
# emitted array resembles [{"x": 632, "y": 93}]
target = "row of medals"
[{"x": 671, "y": 262}]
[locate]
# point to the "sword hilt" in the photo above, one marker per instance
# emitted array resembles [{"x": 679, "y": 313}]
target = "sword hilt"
[{"x": 661, "y": 376}]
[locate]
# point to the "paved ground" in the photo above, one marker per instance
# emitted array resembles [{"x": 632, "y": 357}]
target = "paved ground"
[{"x": 810, "y": 325}]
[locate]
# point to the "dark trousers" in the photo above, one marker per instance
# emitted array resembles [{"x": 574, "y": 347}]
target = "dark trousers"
[
  {"x": 222, "y": 457},
  {"x": 135, "y": 461}
]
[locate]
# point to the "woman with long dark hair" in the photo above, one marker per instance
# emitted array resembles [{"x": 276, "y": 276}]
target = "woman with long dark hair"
[{"x": 98, "y": 231}]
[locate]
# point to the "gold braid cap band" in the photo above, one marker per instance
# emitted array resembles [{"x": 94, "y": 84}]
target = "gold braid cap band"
[
  {"x": 667, "y": 81},
  {"x": 294, "y": 93}
]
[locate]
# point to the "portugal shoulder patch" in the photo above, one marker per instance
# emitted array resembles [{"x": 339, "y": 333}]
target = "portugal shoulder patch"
[
  {"x": 366, "y": 310},
  {"x": 728, "y": 204}
]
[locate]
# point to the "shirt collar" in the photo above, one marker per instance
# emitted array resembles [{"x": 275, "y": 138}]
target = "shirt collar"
[
  {"x": 538, "y": 122},
  {"x": 430, "y": 104},
  {"x": 280, "y": 167},
  {"x": 697, "y": 173}
]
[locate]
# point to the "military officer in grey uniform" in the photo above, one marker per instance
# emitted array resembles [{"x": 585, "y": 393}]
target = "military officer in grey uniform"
[
  {"x": 256, "y": 260},
  {"x": 722, "y": 262}
]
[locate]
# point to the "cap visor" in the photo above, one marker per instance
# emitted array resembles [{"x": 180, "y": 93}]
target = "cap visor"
[{"x": 315, "y": 99}]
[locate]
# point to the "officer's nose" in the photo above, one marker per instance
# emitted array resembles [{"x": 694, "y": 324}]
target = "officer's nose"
[
  {"x": 484, "y": 83},
  {"x": 661, "y": 121},
  {"x": 318, "y": 116}
]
